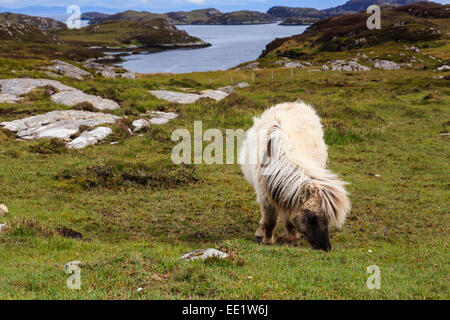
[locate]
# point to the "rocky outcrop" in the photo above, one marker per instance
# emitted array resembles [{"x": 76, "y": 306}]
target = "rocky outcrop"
[
  {"x": 45, "y": 24},
  {"x": 188, "y": 98},
  {"x": 69, "y": 70},
  {"x": 12, "y": 89},
  {"x": 159, "y": 117},
  {"x": 72, "y": 98},
  {"x": 286, "y": 63},
  {"x": 107, "y": 71},
  {"x": 88, "y": 138},
  {"x": 9, "y": 98},
  {"x": 249, "y": 66},
  {"x": 21, "y": 86},
  {"x": 63, "y": 125},
  {"x": 344, "y": 65},
  {"x": 386, "y": 65}
]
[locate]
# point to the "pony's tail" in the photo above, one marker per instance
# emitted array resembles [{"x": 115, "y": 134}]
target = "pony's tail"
[{"x": 289, "y": 180}]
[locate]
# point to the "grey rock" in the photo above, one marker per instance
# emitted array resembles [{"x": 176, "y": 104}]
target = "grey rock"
[
  {"x": 8, "y": 98},
  {"x": 214, "y": 94},
  {"x": 177, "y": 97},
  {"x": 69, "y": 70},
  {"x": 351, "y": 65},
  {"x": 57, "y": 124},
  {"x": 204, "y": 254},
  {"x": 21, "y": 86},
  {"x": 188, "y": 98},
  {"x": 160, "y": 117},
  {"x": 128, "y": 75},
  {"x": 242, "y": 85},
  {"x": 88, "y": 138},
  {"x": 386, "y": 65},
  {"x": 140, "y": 124},
  {"x": 108, "y": 73},
  {"x": 443, "y": 68},
  {"x": 286, "y": 63},
  {"x": 71, "y": 98},
  {"x": 11, "y": 89},
  {"x": 250, "y": 66},
  {"x": 227, "y": 89}
]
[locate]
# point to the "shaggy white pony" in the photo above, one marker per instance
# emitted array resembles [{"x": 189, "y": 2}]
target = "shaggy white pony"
[{"x": 284, "y": 157}]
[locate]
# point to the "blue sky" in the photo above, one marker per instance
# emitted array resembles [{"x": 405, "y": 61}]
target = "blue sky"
[{"x": 164, "y": 5}]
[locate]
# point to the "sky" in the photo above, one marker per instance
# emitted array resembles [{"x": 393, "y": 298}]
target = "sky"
[{"x": 164, "y": 5}]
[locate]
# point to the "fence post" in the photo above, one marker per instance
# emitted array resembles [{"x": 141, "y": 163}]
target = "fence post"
[
  {"x": 292, "y": 73},
  {"x": 253, "y": 77}
]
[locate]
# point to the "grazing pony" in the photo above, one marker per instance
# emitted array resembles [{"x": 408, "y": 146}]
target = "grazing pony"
[{"x": 284, "y": 157}]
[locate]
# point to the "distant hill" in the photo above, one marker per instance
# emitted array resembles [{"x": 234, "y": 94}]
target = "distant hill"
[
  {"x": 351, "y": 6},
  {"x": 148, "y": 33},
  {"x": 423, "y": 22},
  {"x": 37, "y": 22},
  {"x": 283, "y": 12},
  {"x": 21, "y": 32},
  {"x": 203, "y": 16}
]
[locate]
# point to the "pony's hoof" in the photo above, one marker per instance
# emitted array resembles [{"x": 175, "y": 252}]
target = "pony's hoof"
[{"x": 259, "y": 240}]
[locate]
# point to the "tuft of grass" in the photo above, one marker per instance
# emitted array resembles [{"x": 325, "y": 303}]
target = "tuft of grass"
[{"x": 48, "y": 146}]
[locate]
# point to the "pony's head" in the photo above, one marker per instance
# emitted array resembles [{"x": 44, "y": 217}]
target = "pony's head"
[{"x": 312, "y": 221}]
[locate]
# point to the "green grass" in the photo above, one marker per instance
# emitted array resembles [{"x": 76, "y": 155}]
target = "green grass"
[{"x": 383, "y": 130}]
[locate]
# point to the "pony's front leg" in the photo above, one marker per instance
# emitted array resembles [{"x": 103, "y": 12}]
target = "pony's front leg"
[{"x": 269, "y": 219}]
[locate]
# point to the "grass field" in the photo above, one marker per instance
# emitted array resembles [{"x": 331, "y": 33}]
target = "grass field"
[{"x": 383, "y": 129}]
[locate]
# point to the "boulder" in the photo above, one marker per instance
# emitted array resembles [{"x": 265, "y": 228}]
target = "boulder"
[
  {"x": 3, "y": 227},
  {"x": 386, "y": 65},
  {"x": 108, "y": 73},
  {"x": 227, "y": 89},
  {"x": 242, "y": 85},
  {"x": 128, "y": 75},
  {"x": 69, "y": 70},
  {"x": 140, "y": 124},
  {"x": 88, "y": 138}
]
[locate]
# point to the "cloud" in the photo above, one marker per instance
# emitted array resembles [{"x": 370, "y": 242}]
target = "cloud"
[{"x": 196, "y": 1}]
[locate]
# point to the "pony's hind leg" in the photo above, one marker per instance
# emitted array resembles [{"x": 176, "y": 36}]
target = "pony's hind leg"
[{"x": 269, "y": 219}]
